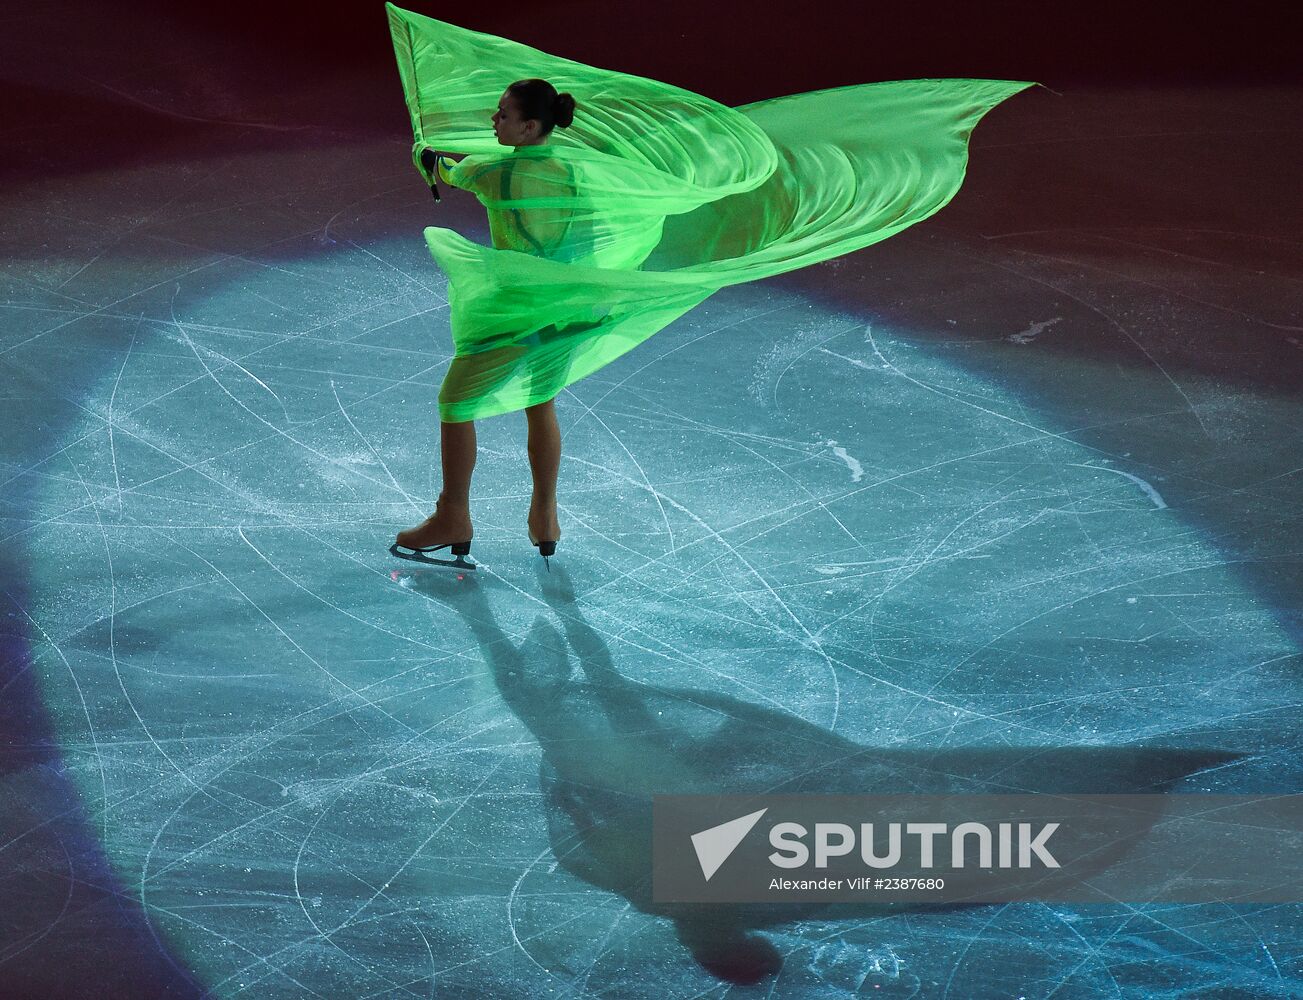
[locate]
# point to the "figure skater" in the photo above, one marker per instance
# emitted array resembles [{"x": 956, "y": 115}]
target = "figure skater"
[
  {"x": 527, "y": 113},
  {"x": 653, "y": 200}
]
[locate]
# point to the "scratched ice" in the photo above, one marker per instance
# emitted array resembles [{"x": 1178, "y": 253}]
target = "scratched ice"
[{"x": 975, "y": 506}]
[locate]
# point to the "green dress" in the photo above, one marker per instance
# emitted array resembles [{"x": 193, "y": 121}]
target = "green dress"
[{"x": 652, "y": 200}]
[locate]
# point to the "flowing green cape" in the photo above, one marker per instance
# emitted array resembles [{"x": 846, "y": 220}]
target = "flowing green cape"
[{"x": 652, "y": 200}]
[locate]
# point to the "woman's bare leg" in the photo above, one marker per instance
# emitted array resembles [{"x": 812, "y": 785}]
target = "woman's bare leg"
[
  {"x": 544, "y": 446},
  {"x": 457, "y": 456},
  {"x": 451, "y": 521}
]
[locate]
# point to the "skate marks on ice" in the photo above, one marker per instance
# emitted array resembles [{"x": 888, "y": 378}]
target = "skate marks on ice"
[{"x": 806, "y": 555}]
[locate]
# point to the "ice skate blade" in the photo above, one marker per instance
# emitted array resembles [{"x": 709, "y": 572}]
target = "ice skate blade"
[
  {"x": 545, "y": 548},
  {"x": 413, "y": 555}
]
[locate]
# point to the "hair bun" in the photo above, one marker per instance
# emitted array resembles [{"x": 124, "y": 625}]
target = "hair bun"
[{"x": 564, "y": 108}]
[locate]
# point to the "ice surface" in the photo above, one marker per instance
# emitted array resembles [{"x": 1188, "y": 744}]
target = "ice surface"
[{"x": 1005, "y": 507}]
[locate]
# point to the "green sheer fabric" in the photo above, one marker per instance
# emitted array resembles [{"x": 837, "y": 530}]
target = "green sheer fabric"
[{"x": 652, "y": 200}]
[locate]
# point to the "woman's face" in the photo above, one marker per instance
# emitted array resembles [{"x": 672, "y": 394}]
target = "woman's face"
[{"x": 510, "y": 128}]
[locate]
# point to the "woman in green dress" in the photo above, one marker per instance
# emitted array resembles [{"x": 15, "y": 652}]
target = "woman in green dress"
[
  {"x": 526, "y": 115},
  {"x": 651, "y": 200}
]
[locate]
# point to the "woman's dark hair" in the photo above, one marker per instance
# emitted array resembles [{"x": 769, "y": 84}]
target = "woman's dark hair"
[{"x": 538, "y": 100}]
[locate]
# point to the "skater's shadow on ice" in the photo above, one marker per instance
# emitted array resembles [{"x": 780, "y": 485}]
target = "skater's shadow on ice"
[{"x": 609, "y": 744}]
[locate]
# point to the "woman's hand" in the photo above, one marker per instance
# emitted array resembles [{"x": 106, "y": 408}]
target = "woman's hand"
[
  {"x": 436, "y": 166},
  {"x": 431, "y": 163}
]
